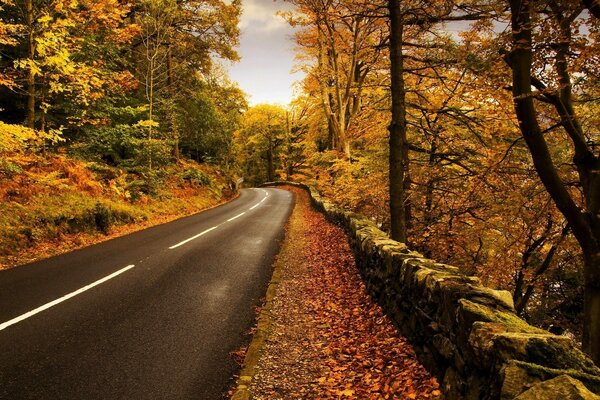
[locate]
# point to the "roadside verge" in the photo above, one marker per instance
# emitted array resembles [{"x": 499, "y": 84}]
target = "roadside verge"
[{"x": 265, "y": 320}]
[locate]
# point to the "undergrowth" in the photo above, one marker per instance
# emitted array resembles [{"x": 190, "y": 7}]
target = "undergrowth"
[{"x": 55, "y": 203}]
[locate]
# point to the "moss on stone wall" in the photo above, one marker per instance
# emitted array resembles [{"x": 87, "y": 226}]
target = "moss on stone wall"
[{"x": 466, "y": 333}]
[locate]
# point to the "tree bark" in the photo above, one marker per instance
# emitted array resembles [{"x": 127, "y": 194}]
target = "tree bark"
[
  {"x": 30, "y": 118},
  {"x": 398, "y": 158},
  {"x": 173, "y": 114},
  {"x": 585, "y": 225},
  {"x": 270, "y": 163}
]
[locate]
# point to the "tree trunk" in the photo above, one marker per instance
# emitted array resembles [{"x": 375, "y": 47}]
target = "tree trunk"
[
  {"x": 288, "y": 144},
  {"x": 397, "y": 142},
  {"x": 43, "y": 115},
  {"x": 173, "y": 116},
  {"x": 270, "y": 166},
  {"x": 30, "y": 119},
  {"x": 585, "y": 225},
  {"x": 331, "y": 144},
  {"x": 343, "y": 142}
]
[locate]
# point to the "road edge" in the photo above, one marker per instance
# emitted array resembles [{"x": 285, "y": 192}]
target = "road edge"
[
  {"x": 137, "y": 227},
  {"x": 263, "y": 325}
]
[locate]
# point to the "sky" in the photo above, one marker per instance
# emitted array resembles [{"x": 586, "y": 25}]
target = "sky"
[{"x": 267, "y": 52}]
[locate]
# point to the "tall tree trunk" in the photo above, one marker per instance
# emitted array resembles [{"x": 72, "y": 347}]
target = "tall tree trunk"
[
  {"x": 585, "y": 226},
  {"x": 288, "y": 144},
  {"x": 172, "y": 116},
  {"x": 43, "y": 114},
  {"x": 270, "y": 163},
  {"x": 150, "y": 110},
  {"x": 343, "y": 142},
  {"x": 398, "y": 143},
  {"x": 429, "y": 192},
  {"x": 331, "y": 144},
  {"x": 30, "y": 119}
]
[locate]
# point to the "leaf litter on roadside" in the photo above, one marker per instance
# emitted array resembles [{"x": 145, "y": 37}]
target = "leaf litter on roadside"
[{"x": 329, "y": 340}]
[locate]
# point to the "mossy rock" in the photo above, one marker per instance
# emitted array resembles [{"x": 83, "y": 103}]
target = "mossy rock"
[
  {"x": 490, "y": 297},
  {"x": 498, "y": 342},
  {"x": 533, "y": 373},
  {"x": 560, "y": 388},
  {"x": 471, "y": 312}
]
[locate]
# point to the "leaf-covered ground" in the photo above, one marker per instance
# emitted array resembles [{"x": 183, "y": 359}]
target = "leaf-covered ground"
[{"x": 328, "y": 339}]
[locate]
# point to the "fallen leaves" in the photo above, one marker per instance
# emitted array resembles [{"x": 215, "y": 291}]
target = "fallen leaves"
[{"x": 329, "y": 340}]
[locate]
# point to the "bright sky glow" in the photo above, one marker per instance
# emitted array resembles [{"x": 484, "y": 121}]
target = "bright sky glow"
[{"x": 266, "y": 49}]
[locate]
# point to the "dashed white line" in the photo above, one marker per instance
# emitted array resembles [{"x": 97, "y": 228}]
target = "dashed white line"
[
  {"x": 215, "y": 227},
  {"x": 192, "y": 238},
  {"x": 237, "y": 216},
  {"x": 46, "y": 306}
]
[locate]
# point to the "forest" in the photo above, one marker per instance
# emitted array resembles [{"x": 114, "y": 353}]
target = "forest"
[
  {"x": 468, "y": 129},
  {"x": 112, "y": 113},
  {"x": 490, "y": 161}
]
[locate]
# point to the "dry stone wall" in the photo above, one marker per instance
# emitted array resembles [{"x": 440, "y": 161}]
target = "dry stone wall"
[{"x": 468, "y": 335}]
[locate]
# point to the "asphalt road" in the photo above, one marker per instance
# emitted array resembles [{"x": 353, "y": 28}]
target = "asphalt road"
[{"x": 151, "y": 315}]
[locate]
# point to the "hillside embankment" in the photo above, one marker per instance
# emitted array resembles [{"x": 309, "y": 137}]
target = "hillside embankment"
[{"x": 55, "y": 203}]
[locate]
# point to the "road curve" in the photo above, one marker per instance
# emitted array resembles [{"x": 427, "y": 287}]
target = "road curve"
[{"x": 151, "y": 315}]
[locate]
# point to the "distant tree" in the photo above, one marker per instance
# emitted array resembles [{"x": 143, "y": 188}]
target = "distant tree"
[{"x": 261, "y": 137}]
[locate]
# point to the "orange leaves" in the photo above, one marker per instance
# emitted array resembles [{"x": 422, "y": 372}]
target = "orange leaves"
[{"x": 327, "y": 322}]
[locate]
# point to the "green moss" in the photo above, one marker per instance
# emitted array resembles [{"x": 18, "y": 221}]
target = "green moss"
[
  {"x": 486, "y": 314},
  {"x": 592, "y": 382},
  {"x": 561, "y": 354}
]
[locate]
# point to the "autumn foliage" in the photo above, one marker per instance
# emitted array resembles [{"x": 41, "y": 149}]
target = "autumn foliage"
[
  {"x": 496, "y": 178},
  {"x": 329, "y": 340},
  {"x": 113, "y": 115}
]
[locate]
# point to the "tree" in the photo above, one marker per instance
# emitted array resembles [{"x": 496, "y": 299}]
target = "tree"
[
  {"x": 178, "y": 41},
  {"x": 262, "y": 135},
  {"x": 60, "y": 60},
  {"x": 346, "y": 41},
  {"x": 398, "y": 162},
  {"x": 527, "y": 20}
]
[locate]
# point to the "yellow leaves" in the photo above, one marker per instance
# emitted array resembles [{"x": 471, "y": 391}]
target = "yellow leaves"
[
  {"x": 13, "y": 137},
  {"x": 345, "y": 393},
  {"x": 45, "y": 19},
  {"x": 17, "y": 138},
  {"x": 28, "y": 64},
  {"x": 146, "y": 123}
]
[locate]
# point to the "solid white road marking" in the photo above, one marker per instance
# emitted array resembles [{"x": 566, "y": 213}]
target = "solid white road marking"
[
  {"x": 46, "y": 306},
  {"x": 254, "y": 206},
  {"x": 237, "y": 216},
  {"x": 193, "y": 237}
]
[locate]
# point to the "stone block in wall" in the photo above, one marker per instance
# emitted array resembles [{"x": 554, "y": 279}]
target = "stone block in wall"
[
  {"x": 546, "y": 350},
  {"x": 444, "y": 346},
  {"x": 560, "y": 388},
  {"x": 518, "y": 377}
]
